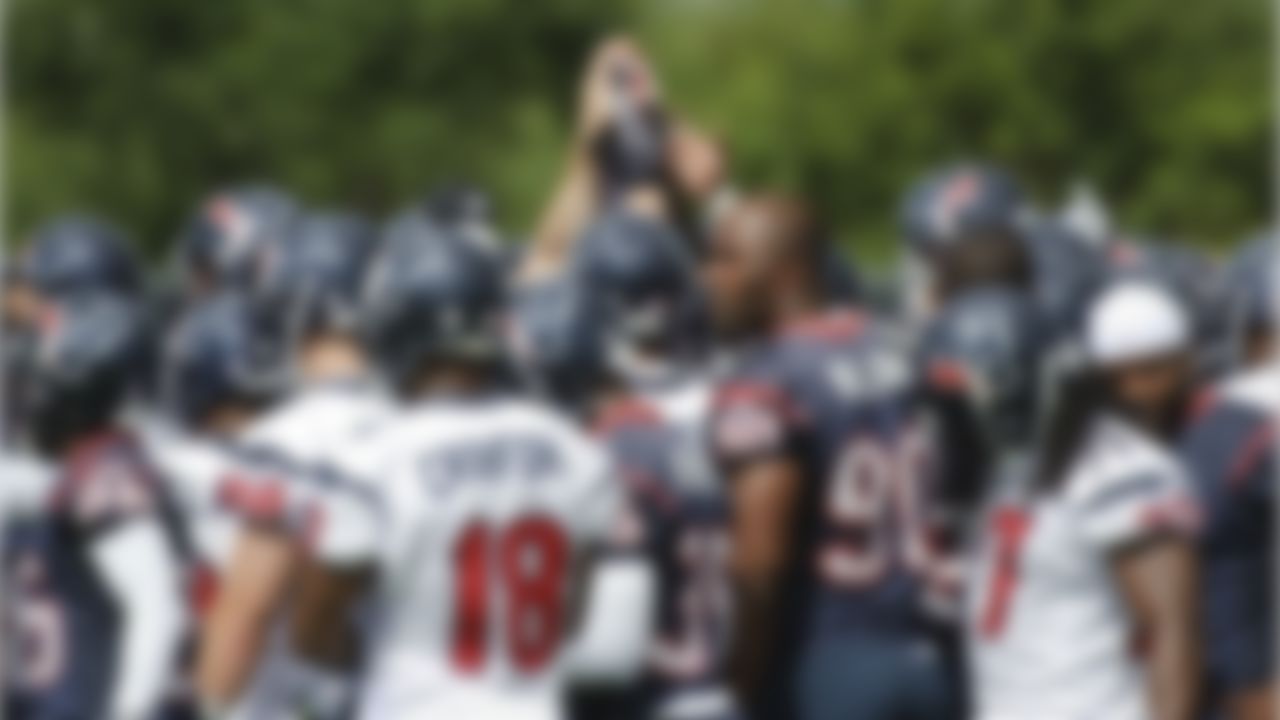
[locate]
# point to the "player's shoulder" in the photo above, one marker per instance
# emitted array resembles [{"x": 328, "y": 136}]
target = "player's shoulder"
[
  {"x": 1258, "y": 390},
  {"x": 107, "y": 475},
  {"x": 1234, "y": 427},
  {"x": 631, "y": 415},
  {"x": 489, "y": 419},
  {"x": 109, "y": 456},
  {"x": 1118, "y": 457},
  {"x": 306, "y": 421},
  {"x": 843, "y": 349}
]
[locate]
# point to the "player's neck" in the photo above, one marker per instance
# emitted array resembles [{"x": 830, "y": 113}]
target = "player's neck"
[
  {"x": 328, "y": 359},
  {"x": 451, "y": 380}
]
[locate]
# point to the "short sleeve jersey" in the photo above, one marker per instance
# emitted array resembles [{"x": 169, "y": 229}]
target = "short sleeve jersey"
[
  {"x": 1048, "y": 634},
  {"x": 474, "y": 511}
]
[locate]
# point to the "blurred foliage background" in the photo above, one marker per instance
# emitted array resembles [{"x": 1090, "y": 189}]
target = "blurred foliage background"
[{"x": 135, "y": 108}]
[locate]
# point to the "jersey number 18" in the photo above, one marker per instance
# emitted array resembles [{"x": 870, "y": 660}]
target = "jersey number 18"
[{"x": 521, "y": 565}]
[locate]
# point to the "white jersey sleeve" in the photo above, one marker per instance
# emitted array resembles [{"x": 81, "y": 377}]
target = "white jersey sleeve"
[
  {"x": 352, "y": 504},
  {"x": 598, "y": 500},
  {"x": 290, "y": 461},
  {"x": 1128, "y": 488}
]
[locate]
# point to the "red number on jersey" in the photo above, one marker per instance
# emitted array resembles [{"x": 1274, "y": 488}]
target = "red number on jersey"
[
  {"x": 1009, "y": 526},
  {"x": 530, "y": 557}
]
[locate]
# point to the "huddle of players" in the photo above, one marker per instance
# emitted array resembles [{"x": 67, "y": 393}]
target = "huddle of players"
[{"x": 364, "y": 471}]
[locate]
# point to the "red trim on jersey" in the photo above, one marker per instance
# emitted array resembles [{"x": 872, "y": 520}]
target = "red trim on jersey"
[
  {"x": 828, "y": 326},
  {"x": 627, "y": 412},
  {"x": 79, "y": 458},
  {"x": 948, "y": 375},
  {"x": 1178, "y": 514},
  {"x": 1251, "y": 453},
  {"x": 258, "y": 499},
  {"x": 758, "y": 393}
]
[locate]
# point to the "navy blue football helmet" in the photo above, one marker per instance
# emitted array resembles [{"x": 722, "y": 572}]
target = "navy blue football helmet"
[
  {"x": 985, "y": 348},
  {"x": 215, "y": 356},
  {"x": 84, "y": 353},
  {"x": 431, "y": 294},
  {"x": 1249, "y": 293},
  {"x": 311, "y": 277},
  {"x": 557, "y": 341},
  {"x": 1067, "y": 274},
  {"x": 77, "y": 254},
  {"x": 946, "y": 206},
  {"x": 640, "y": 274},
  {"x": 223, "y": 240}
]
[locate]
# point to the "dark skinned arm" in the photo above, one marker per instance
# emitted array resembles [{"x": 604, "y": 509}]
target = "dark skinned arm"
[
  {"x": 1254, "y": 703},
  {"x": 1158, "y": 582},
  {"x": 320, "y": 625},
  {"x": 764, "y": 495}
]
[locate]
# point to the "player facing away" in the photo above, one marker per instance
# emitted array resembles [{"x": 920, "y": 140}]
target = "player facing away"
[
  {"x": 1083, "y": 586},
  {"x": 304, "y": 298},
  {"x": 470, "y": 513},
  {"x": 675, "y": 518},
  {"x": 1231, "y": 451},
  {"x": 814, "y": 435},
  {"x": 97, "y": 584}
]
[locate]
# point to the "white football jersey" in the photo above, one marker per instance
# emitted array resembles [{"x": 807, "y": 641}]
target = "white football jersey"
[
  {"x": 280, "y": 478},
  {"x": 1048, "y": 633},
  {"x": 474, "y": 513},
  {"x": 284, "y": 456}
]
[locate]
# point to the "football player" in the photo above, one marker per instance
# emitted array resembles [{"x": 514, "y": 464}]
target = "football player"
[
  {"x": 1231, "y": 449},
  {"x": 814, "y": 434},
  {"x": 305, "y": 296},
  {"x": 472, "y": 513},
  {"x": 676, "y": 514},
  {"x": 969, "y": 226},
  {"x": 1082, "y": 596},
  {"x": 68, "y": 256},
  {"x": 642, "y": 276},
  {"x": 99, "y": 576},
  {"x": 219, "y": 376}
]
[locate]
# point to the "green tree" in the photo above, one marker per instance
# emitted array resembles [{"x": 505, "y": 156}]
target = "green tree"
[{"x": 134, "y": 108}]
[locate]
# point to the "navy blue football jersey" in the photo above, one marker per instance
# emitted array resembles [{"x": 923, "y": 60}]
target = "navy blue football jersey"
[
  {"x": 833, "y": 393},
  {"x": 1231, "y": 451},
  {"x": 61, "y": 625},
  {"x": 678, "y": 523}
]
